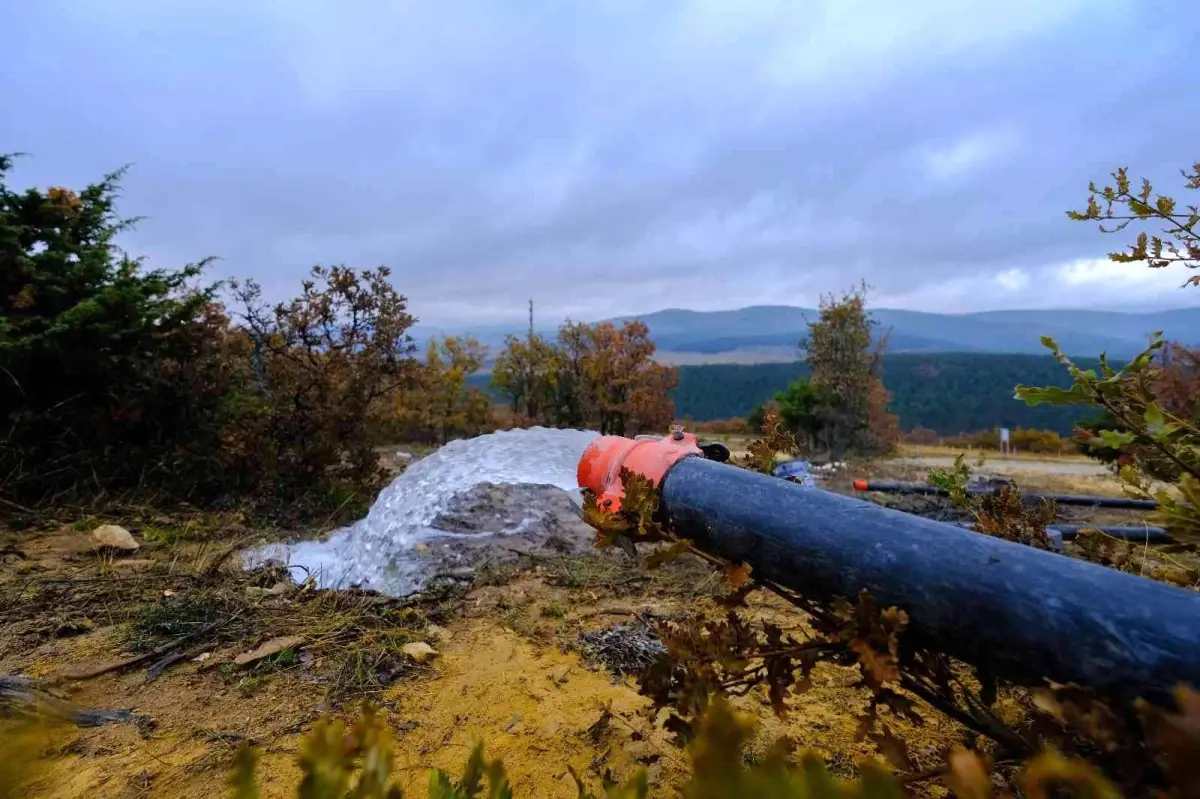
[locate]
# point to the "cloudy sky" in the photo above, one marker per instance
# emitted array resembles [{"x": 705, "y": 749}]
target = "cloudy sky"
[{"x": 610, "y": 157}]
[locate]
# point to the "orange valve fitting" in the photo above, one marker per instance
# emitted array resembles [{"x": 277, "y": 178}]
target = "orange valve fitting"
[{"x": 600, "y": 467}]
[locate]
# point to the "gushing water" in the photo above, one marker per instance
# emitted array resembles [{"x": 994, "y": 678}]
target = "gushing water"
[{"x": 377, "y": 551}]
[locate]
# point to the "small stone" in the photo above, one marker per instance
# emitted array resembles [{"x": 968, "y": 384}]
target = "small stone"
[
  {"x": 420, "y": 547},
  {"x": 419, "y": 651},
  {"x": 640, "y": 751},
  {"x": 440, "y": 633},
  {"x": 203, "y": 656},
  {"x": 279, "y": 589},
  {"x": 272, "y": 647},
  {"x": 112, "y": 536}
]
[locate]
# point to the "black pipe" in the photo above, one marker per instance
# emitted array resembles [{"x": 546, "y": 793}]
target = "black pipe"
[
  {"x": 1147, "y": 534},
  {"x": 1021, "y": 612},
  {"x": 1059, "y": 499},
  {"x": 1069, "y": 532}
]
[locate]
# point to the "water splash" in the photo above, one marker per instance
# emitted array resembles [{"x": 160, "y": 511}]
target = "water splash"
[{"x": 377, "y": 551}]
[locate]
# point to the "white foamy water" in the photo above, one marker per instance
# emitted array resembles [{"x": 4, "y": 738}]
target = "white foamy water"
[{"x": 375, "y": 552}]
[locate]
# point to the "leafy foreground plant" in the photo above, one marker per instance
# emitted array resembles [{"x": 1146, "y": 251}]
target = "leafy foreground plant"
[
  {"x": 337, "y": 763},
  {"x": 1147, "y": 430}
]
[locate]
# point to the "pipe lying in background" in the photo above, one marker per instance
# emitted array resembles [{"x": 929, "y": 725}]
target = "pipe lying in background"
[
  {"x": 1059, "y": 533},
  {"x": 1068, "y": 532},
  {"x": 1146, "y": 535},
  {"x": 895, "y": 487},
  {"x": 1021, "y": 612}
]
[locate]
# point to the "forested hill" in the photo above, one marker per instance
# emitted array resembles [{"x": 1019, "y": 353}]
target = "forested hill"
[{"x": 947, "y": 392}]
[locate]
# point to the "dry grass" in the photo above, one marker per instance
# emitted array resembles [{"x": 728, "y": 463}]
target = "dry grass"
[
  {"x": 938, "y": 451},
  {"x": 186, "y": 579}
]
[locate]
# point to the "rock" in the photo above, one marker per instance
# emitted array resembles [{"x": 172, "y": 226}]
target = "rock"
[
  {"x": 112, "y": 536},
  {"x": 203, "y": 656},
  {"x": 279, "y": 589},
  {"x": 272, "y": 647},
  {"x": 419, "y": 651},
  {"x": 536, "y": 512},
  {"x": 420, "y": 547}
]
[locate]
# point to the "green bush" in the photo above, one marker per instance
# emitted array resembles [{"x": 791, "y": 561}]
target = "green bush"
[
  {"x": 115, "y": 377},
  {"x": 105, "y": 365}
]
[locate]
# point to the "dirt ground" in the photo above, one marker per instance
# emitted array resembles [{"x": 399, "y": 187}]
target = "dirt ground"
[{"x": 509, "y": 670}]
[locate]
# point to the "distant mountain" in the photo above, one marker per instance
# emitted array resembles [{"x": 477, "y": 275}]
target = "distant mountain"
[
  {"x": 1019, "y": 332},
  {"x": 768, "y": 333}
]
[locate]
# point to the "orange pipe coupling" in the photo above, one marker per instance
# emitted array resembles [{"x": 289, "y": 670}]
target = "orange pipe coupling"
[{"x": 600, "y": 467}]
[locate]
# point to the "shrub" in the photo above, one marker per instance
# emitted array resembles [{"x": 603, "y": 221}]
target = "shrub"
[
  {"x": 326, "y": 366},
  {"x": 117, "y": 377},
  {"x": 721, "y": 427},
  {"x": 921, "y": 436},
  {"x": 109, "y": 373}
]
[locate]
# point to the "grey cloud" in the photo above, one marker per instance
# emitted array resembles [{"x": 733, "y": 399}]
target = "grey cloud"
[{"x": 608, "y": 158}]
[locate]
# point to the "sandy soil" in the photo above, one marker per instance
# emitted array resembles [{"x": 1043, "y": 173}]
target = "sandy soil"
[{"x": 509, "y": 673}]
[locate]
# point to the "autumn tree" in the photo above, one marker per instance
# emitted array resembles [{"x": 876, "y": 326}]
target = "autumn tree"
[
  {"x": 851, "y": 399},
  {"x": 600, "y": 376},
  {"x": 631, "y": 390},
  {"x": 574, "y": 389},
  {"x": 442, "y": 405},
  {"x": 525, "y": 374}
]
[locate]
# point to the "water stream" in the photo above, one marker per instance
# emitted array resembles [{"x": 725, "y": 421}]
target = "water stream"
[{"x": 377, "y": 551}]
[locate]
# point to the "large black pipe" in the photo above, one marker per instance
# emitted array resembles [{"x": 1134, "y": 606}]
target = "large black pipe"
[
  {"x": 1021, "y": 612},
  {"x": 896, "y": 487}
]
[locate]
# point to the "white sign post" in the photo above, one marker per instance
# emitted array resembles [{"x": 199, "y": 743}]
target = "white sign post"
[{"x": 1005, "y": 440}]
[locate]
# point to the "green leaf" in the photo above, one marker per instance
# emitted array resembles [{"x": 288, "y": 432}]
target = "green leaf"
[
  {"x": 1115, "y": 439},
  {"x": 1053, "y": 395},
  {"x": 1154, "y": 416},
  {"x": 440, "y": 786},
  {"x": 241, "y": 779}
]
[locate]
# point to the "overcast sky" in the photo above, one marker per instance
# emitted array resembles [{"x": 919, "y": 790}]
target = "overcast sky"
[{"x": 609, "y": 157}]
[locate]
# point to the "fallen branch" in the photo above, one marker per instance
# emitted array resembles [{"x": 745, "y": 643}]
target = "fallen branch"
[
  {"x": 18, "y": 693},
  {"x": 147, "y": 656}
]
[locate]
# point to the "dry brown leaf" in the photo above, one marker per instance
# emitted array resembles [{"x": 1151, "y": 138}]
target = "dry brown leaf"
[
  {"x": 892, "y": 748},
  {"x": 737, "y": 575},
  {"x": 878, "y": 667},
  {"x": 967, "y": 775}
]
